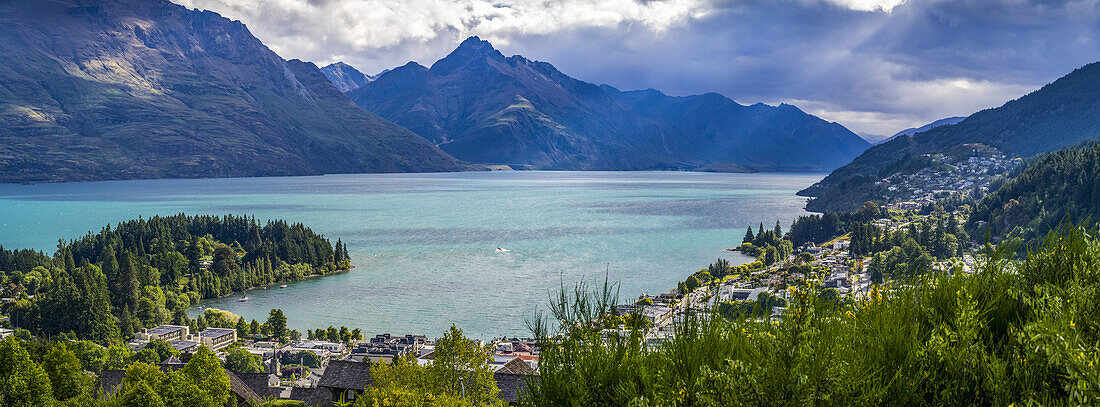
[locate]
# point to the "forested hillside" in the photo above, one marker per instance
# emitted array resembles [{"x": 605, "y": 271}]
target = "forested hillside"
[
  {"x": 145, "y": 272},
  {"x": 1063, "y": 185}
]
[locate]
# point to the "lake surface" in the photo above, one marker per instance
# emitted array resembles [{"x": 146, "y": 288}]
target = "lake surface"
[{"x": 425, "y": 244}]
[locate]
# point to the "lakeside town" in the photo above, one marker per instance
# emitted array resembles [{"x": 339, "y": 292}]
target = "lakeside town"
[{"x": 333, "y": 365}]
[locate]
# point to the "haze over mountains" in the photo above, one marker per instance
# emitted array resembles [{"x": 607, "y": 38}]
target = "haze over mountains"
[
  {"x": 125, "y": 89},
  {"x": 1060, "y": 114},
  {"x": 483, "y": 107}
]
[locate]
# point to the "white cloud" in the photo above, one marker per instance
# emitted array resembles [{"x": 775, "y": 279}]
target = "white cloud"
[
  {"x": 875, "y": 66},
  {"x": 884, "y": 6},
  {"x": 369, "y": 24},
  {"x": 916, "y": 103}
]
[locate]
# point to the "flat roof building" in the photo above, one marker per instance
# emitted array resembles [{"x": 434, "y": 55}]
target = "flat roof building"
[
  {"x": 167, "y": 333},
  {"x": 185, "y": 346},
  {"x": 217, "y": 338}
]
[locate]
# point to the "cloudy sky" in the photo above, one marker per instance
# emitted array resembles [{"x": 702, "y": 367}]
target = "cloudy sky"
[{"x": 875, "y": 66}]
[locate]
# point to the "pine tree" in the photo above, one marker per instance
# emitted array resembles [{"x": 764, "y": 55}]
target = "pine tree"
[
  {"x": 126, "y": 284},
  {"x": 95, "y": 322},
  {"x": 277, "y": 323},
  {"x": 108, "y": 264},
  {"x": 242, "y": 328},
  {"x": 748, "y": 236}
]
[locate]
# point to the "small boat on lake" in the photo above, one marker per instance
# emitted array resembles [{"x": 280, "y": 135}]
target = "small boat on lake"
[
  {"x": 282, "y": 286},
  {"x": 243, "y": 299},
  {"x": 502, "y": 250}
]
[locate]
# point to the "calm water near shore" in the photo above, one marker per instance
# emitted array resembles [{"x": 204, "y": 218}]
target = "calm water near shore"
[{"x": 425, "y": 244}]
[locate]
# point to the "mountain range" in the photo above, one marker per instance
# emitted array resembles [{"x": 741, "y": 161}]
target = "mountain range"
[
  {"x": 1059, "y": 114},
  {"x": 481, "y": 106},
  {"x": 134, "y": 89},
  {"x": 125, "y": 89}
]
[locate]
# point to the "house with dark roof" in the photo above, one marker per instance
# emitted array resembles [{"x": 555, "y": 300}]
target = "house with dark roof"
[
  {"x": 515, "y": 365},
  {"x": 345, "y": 379},
  {"x": 512, "y": 386},
  {"x": 312, "y": 396},
  {"x": 245, "y": 395}
]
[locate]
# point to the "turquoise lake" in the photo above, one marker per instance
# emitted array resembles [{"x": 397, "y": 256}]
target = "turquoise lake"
[{"x": 425, "y": 244}]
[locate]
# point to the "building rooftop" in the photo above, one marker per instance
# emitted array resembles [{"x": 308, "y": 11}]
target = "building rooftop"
[
  {"x": 181, "y": 345},
  {"x": 346, "y": 374},
  {"x": 164, "y": 329},
  {"x": 216, "y": 332}
]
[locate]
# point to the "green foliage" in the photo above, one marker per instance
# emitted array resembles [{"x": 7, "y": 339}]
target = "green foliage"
[
  {"x": 460, "y": 375},
  {"x": 198, "y": 384},
  {"x": 238, "y": 360},
  {"x": 146, "y": 272},
  {"x": 118, "y": 357},
  {"x": 140, "y": 395},
  {"x": 205, "y": 371},
  {"x": 304, "y": 358},
  {"x": 23, "y": 383},
  {"x": 1017, "y": 332},
  {"x": 282, "y": 403},
  {"x": 1056, "y": 187},
  {"x": 276, "y": 322},
  {"x": 67, "y": 376},
  {"x": 92, "y": 356},
  {"x": 154, "y": 352}
]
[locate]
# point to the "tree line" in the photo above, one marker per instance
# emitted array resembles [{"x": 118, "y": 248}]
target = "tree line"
[{"x": 146, "y": 272}]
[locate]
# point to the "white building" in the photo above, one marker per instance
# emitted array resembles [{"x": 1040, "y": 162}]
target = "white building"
[
  {"x": 167, "y": 333},
  {"x": 217, "y": 338}
]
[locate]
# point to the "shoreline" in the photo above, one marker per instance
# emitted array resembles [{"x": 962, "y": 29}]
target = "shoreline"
[{"x": 309, "y": 277}]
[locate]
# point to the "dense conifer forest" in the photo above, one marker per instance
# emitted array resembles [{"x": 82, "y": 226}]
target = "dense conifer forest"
[
  {"x": 145, "y": 272},
  {"x": 1055, "y": 187}
]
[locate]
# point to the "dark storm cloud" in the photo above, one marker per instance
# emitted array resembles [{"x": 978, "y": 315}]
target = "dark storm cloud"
[{"x": 873, "y": 65}]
